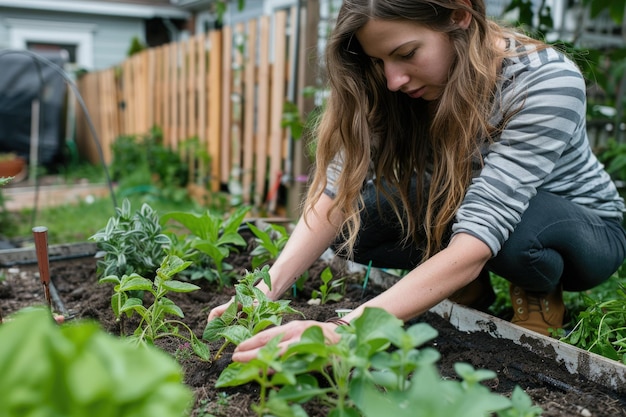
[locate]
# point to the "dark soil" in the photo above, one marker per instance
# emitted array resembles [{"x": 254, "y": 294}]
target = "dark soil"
[{"x": 549, "y": 384}]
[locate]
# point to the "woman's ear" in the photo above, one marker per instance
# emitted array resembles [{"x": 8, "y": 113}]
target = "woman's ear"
[{"x": 462, "y": 18}]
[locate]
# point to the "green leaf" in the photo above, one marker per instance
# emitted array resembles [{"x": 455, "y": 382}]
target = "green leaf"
[
  {"x": 238, "y": 373},
  {"x": 199, "y": 225},
  {"x": 117, "y": 301},
  {"x": 169, "y": 307},
  {"x": 213, "y": 329},
  {"x": 113, "y": 279},
  {"x": 236, "y": 334},
  {"x": 134, "y": 304},
  {"x": 172, "y": 265},
  {"x": 179, "y": 286},
  {"x": 135, "y": 283},
  {"x": 200, "y": 349},
  {"x": 377, "y": 328}
]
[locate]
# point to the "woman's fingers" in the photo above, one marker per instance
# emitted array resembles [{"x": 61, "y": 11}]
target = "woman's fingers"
[
  {"x": 219, "y": 310},
  {"x": 291, "y": 333}
]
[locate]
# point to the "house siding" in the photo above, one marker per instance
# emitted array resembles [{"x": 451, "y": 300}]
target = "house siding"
[{"x": 111, "y": 36}]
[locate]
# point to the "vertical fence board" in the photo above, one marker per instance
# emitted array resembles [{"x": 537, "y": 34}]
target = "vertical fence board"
[
  {"x": 235, "y": 129},
  {"x": 249, "y": 111},
  {"x": 173, "y": 80},
  {"x": 262, "y": 111},
  {"x": 159, "y": 86},
  {"x": 227, "y": 88},
  {"x": 215, "y": 105},
  {"x": 201, "y": 97},
  {"x": 277, "y": 103},
  {"x": 181, "y": 132},
  {"x": 151, "y": 90}
]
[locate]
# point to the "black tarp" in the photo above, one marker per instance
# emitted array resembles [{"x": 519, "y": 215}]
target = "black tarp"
[{"x": 24, "y": 78}]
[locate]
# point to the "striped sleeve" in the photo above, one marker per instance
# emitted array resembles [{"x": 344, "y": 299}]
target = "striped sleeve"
[{"x": 543, "y": 146}]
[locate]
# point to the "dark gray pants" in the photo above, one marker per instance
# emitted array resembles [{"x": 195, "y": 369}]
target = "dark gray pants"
[{"x": 556, "y": 241}]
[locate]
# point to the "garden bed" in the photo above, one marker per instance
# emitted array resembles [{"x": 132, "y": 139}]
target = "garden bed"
[{"x": 552, "y": 380}]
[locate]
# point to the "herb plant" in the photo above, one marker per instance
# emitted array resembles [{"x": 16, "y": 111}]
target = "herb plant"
[
  {"x": 250, "y": 312},
  {"x": 213, "y": 236},
  {"x": 378, "y": 368},
  {"x": 131, "y": 242},
  {"x": 154, "y": 323},
  {"x": 270, "y": 242}
]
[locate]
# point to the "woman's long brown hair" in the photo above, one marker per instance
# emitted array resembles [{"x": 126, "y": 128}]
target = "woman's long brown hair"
[{"x": 364, "y": 121}]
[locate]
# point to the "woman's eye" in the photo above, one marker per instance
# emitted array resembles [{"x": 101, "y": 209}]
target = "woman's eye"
[{"x": 409, "y": 55}]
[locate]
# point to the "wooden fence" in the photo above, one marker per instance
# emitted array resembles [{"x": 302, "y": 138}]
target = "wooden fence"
[{"x": 227, "y": 88}]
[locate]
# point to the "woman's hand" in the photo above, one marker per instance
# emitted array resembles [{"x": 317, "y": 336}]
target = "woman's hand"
[
  {"x": 292, "y": 331},
  {"x": 219, "y": 310}
]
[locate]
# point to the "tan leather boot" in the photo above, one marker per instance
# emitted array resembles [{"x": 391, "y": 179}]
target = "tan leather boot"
[
  {"x": 535, "y": 311},
  {"x": 478, "y": 294}
]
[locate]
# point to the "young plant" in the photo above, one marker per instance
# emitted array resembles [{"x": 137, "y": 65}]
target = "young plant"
[
  {"x": 270, "y": 242},
  {"x": 154, "y": 322},
  {"x": 79, "y": 370},
  {"x": 250, "y": 312},
  {"x": 131, "y": 242},
  {"x": 213, "y": 236},
  {"x": 378, "y": 368},
  {"x": 330, "y": 289}
]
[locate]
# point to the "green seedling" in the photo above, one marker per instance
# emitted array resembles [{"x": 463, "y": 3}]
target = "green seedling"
[
  {"x": 212, "y": 236},
  {"x": 270, "y": 242},
  {"x": 250, "y": 312},
  {"x": 378, "y": 368},
  {"x": 154, "y": 322},
  {"x": 330, "y": 289}
]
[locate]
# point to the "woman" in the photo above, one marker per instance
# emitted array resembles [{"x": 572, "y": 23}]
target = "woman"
[{"x": 452, "y": 146}]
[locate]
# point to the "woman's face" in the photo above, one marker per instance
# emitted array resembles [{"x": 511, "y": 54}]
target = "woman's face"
[{"x": 416, "y": 60}]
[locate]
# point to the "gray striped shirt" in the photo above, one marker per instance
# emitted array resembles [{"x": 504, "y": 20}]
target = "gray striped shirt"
[{"x": 543, "y": 147}]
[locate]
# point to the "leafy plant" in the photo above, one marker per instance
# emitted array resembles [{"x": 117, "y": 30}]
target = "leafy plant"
[
  {"x": 78, "y": 370},
  {"x": 330, "y": 289},
  {"x": 209, "y": 407},
  {"x": 613, "y": 156},
  {"x": 377, "y": 369},
  {"x": 131, "y": 242},
  {"x": 154, "y": 323},
  {"x": 211, "y": 235},
  {"x": 144, "y": 165},
  {"x": 270, "y": 242},
  {"x": 250, "y": 312},
  {"x": 601, "y": 328}
]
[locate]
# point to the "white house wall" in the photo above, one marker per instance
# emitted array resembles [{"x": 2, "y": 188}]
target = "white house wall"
[{"x": 102, "y": 40}]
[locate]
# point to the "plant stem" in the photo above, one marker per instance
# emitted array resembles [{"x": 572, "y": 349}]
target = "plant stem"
[{"x": 219, "y": 352}]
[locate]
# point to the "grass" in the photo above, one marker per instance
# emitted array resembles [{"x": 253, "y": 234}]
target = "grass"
[{"x": 76, "y": 223}]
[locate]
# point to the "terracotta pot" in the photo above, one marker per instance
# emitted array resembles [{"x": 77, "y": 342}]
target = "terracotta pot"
[{"x": 15, "y": 167}]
